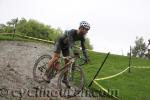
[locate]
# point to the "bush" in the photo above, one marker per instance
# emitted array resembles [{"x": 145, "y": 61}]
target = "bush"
[{"x": 36, "y": 29}]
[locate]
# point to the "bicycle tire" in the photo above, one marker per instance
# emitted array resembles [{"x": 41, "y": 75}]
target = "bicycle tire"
[
  {"x": 35, "y": 77},
  {"x": 81, "y": 86}
]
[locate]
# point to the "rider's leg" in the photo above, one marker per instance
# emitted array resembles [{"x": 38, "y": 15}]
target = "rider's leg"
[
  {"x": 66, "y": 73},
  {"x": 65, "y": 53},
  {"x": 55, "y": 57},
  {"x": 65, "y": 79}
]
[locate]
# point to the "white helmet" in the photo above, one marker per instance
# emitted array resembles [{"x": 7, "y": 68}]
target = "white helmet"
[{"x": 85, "y": 25}]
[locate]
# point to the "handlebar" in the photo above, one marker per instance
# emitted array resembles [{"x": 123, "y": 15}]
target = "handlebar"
[{"x": 76, "y": 57}]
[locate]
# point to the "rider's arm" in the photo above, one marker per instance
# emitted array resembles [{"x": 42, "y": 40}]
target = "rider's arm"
[{"x": 84, "y": 49}]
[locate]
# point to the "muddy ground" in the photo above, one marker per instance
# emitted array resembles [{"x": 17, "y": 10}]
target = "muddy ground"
[{"x": 16, "y": 65}]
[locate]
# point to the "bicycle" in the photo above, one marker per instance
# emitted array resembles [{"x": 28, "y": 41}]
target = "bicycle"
[
  {"x": 73, "y": 68},
  {"x": 75, "y": 76}
]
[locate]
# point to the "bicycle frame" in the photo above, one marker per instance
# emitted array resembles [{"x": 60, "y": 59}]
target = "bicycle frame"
[{"x": 69, "y": 65}]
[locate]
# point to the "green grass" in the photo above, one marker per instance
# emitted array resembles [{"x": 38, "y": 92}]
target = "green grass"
[
  {"x": 9, "y": 37},
  {"x": 131, "y": 86}
]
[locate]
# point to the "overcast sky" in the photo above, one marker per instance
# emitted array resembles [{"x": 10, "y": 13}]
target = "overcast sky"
[{"x": 114, "y": 23}]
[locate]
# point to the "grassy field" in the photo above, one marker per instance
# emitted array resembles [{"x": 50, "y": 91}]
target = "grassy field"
[
  {"x": 9, "y": 37},
  {"x": 131, "y": 86}
]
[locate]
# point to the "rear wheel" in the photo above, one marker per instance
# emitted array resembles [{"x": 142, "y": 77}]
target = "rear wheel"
[{"x": 40, "y": 68}]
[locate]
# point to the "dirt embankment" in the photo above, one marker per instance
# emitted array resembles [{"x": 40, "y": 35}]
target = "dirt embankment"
[
  {"x": 16, "y": 62},
  {"x": 16, "y": 65}
]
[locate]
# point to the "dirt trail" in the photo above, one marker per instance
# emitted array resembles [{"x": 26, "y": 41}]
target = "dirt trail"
[{"x": 16, "y": 62}]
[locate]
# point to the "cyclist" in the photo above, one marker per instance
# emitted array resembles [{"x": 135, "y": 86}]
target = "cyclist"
[{"x": 65, "y": 42}]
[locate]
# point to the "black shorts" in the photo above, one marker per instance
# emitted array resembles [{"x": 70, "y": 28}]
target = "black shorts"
[{"x": 61, "y": 47}]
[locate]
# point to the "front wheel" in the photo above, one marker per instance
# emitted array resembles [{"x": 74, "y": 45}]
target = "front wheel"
[{"x": 75, "y": 80}]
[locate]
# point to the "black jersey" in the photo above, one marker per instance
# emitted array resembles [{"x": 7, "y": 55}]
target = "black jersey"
[
  {"x": 71, "y": 36},
  {"x": 68, "y": 40}
]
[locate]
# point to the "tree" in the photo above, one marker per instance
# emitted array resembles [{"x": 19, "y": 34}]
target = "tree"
[
  {"x": 54, "y": 34},
  {"x": 12, "y": 22},
  {"x": 139, "y": 47},
  {"x": 11, "y": 25},
  {"x": 2, "y": 28},
  {"x": 36, "y": 29},
  {"x": 87, "y": 44}
]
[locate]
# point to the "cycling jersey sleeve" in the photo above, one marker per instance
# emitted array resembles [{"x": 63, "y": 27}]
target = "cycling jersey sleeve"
[{"x": 84, "y": 48}]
